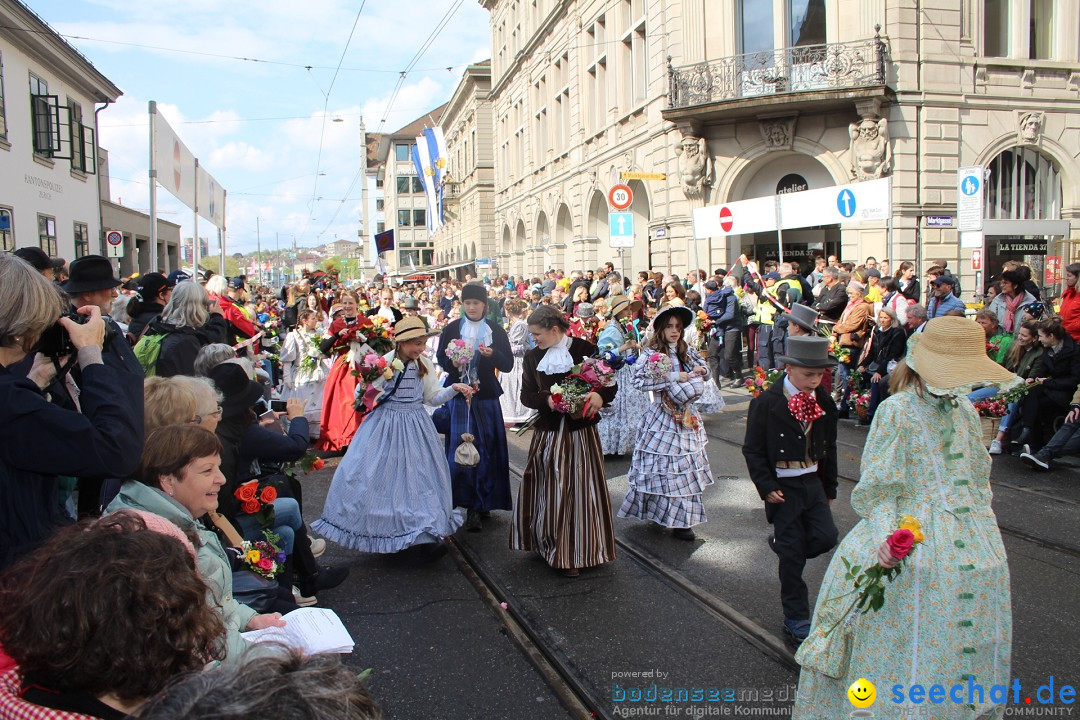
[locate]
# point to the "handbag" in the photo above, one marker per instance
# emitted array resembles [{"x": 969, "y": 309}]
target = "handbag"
[{"x": 254, "y": 590}]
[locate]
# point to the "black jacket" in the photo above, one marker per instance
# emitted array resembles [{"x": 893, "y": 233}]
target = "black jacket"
[
  {"x": 288, "y": 318},
  {"x": 502, "y": 359},
  {"x": 140, "y": 322},
  {"x": 536, "y": 388},
  {"x": 773, "y": 434},
  {"x": 181, "y": 345},
  {"x": 722, "y": 307},
  {"x": 43, "y": 440},
  {"x": 375, "y": 311},
  {"x": 1062, "y": 370},
  {"x": 886, "y": 346},
  {"x": 602, "y": 290},
  {"x": 832, "y": 301}
]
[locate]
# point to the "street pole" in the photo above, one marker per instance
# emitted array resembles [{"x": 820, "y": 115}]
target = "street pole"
[
  {"x": 258, "y": 252},
  {"x": 195, "y": 240},
  {"x": 779, "y": 231},
  {"x": 153, "y": 199},
  {"x": 363, "y": 186},
  {"x": 277, "y": 257}
]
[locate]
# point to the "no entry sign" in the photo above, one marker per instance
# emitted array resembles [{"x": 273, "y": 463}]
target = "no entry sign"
[{"x": 726, "y": 220}]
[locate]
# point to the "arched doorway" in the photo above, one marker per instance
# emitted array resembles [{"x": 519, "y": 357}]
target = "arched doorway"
[
  {"x": 564, "y": 236},
  {"x": 518, "y": 261},
  {"x": 596, "y": 232},
  {"x": 780, "y": 174},
  {"x": 543, "y": 240},
  {"x": 639, "y": 256},
  {"x": 1022, "y": 200}
]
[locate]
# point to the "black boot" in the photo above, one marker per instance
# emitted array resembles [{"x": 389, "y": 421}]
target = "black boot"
[
  {"x": 472, "y": 521},
  {"x": 686, "y": 534},
  {"x": 1024, "y": 437}
]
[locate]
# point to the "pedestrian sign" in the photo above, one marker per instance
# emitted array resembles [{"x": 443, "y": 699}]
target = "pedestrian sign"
[
  {"x": 969, "y": 198},
  {"x": 845, "y": 202},
  {"x": 621, "y": 229}
]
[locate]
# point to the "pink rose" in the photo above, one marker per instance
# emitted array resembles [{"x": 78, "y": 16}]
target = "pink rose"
[
  {"x": 459, "y": 342},
  {"x": 900, "y": 543},
  {"x": 266, "y": 564}
]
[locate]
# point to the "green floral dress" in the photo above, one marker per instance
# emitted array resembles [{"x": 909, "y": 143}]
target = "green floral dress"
[{"x": 948, "y": 615}]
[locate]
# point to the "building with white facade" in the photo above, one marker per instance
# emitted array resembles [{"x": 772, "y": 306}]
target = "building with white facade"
[
  {"x": 134, "y": 228},
  {"x": 405, "y": 204},
  {"x": 49, "y": 99},
  {"x": 728, "y": 100}
]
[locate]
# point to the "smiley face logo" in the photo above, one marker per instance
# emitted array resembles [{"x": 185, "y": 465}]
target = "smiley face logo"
[{"x": 862, "y": 693}]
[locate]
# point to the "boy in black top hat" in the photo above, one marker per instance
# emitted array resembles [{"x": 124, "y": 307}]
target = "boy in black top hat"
[{"x": 790, "y": 451}]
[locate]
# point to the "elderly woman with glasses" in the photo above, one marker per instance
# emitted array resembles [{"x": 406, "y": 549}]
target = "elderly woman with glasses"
[{"x": 189, "y": 322}]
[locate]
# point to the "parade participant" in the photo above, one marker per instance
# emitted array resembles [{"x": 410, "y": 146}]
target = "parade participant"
[
  {"x": 618, "y": 427},
  {"x": 179, "y": 479},
  {"x": 392, "y": 491},
  {"x": 485, "y": 486},
  {"x": 669, "y": 469},
  {"x": 948, "y": 615},
  {"x": 76, "y": 657},
  {"x": 302, "y": 369},
  {"x": 314, "y": 304},
  {"x": 584, "y": 324},
  {"x": 339, "y": 420},
  {"x": 790, "y": 451},
  {"x": 229, "y": 295},
  {"x": 1070, "y": 302},
  {"x": 563, "y": 511},
  {"x": 520, "y": 343},
  {"x": 386, "y": 307},
  {"x": 152, "y": 294},
  {"x": 803, "y": 321}
]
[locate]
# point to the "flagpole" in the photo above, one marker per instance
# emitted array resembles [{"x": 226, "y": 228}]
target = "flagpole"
[
  {"x": 221, "y": 231},
  {"x": 195, "y": 240},
  {"x": 153, "y": 196}
]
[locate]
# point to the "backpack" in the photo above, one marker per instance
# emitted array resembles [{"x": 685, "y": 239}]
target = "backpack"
[{"x": 147, "y": 351}]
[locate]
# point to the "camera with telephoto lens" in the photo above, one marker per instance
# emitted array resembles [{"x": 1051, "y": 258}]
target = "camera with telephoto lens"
[{"x": 55, "y": 341}]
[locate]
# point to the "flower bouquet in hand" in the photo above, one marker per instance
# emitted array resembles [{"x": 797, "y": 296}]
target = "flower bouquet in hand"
[
  {"x": 657, "y": 367},
  {"x": 371, "y": 368},
  {"x": 257, "y": 501},
  {"x": 762, "y": 379},
  {"x": 461, "y": 356},
  {"x": 380, "y": 336},
  {"x": 869, "y": 583},
  {"x": 263, "y": 557},
  {"x": 588, "y": 376}
]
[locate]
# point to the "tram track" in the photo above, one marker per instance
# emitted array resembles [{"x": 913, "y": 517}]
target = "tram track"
[{"x": 1005, "y": 529}]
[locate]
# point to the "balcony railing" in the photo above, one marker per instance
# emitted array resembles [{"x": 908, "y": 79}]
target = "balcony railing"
[{"x": 834, "y": 66}]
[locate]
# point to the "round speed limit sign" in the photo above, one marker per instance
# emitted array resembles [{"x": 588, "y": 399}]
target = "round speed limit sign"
[{"x": 621, "y": 197}]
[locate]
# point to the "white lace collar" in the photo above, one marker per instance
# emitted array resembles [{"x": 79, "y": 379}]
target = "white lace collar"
[{"x": 557, "y": 358}]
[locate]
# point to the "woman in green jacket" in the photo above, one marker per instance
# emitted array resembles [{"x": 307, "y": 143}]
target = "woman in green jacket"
[{"x": 179, "y": 479}]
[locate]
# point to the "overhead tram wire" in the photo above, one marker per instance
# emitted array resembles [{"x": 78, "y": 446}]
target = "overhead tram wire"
[{"x": 439, "y": 27}]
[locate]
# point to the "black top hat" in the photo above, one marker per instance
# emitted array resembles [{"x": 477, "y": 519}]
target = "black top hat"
[
  {"x": 90, "y": 273},
  {"x": 808, "y": 352},
  {"x": 238, "y": 390},
  {"x": 804, "y": 316},
  {"x": 410, "y": 303}
]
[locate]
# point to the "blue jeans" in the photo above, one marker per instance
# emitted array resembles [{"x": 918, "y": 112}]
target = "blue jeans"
[
  {"x": 982, "y": 394},
  {"x": 287, "y": 521},
  {"x": 843, "y": 384},
  {"x": 1066, "y": 441}
]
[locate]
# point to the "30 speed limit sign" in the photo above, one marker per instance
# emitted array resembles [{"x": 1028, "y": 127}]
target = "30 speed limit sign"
[{"x": 620, "y": 196}]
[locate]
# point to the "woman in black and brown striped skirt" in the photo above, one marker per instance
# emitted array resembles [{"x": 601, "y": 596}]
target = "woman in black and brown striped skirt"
[{"x": 563, "y": 511}]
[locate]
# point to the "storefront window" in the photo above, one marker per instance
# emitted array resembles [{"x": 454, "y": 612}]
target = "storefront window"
[{"x": 1022, "y": 184}]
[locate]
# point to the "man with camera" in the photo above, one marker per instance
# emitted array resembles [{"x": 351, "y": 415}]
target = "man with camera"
[{"x": 91, "y": 284}]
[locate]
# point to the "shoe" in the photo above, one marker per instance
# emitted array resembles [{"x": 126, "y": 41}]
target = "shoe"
[
  {"x": 570, "y": 572},
  {"x": 737, "y": 384},
  {"x": 301, "y": 599},
  {"x": 472, "y": 522},
  {"x": 995, "y": 447},
  {"x": 318, "y": 547},
  {"x": 1024, "y": 437},
  {"x": 686, "y": 534},
  {"x": 1035, "y": 459},
  {"x": 325, "y": 579},
  {"x": 771, "y": 541},
  {"x": 843, "y": 414},
  {"x": 797, "y": 630},
  {"x": 484, "y": 515}
]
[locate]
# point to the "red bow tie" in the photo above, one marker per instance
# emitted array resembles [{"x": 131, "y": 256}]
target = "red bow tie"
[{"x": 804, "y": 407}]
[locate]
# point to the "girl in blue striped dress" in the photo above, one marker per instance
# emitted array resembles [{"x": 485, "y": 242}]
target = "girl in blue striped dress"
[{"x": 391, "y": 492}]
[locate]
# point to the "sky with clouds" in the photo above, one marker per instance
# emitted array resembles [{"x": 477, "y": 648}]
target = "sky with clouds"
[{"x": 258, "y": 127}]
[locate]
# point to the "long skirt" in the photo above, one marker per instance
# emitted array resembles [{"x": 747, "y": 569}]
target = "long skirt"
[
  {"x": 339, "y": 420},
  {"x": 563, "y": 510},
  {"x": 512, "y": 409},
  {"x": 384, "y": 507},
  {"x": 312, "y": 396},
  {"x": 486, "y": 486},
  {"x": 619, "y": 423}
]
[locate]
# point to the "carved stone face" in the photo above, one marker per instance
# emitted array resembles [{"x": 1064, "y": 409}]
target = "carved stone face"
[
  {"x": 1029, "y": 126},
  {"x": 777, "y": 134},
  {"x": 690, "y": 148},
  {"x": 868, "y": 130}
]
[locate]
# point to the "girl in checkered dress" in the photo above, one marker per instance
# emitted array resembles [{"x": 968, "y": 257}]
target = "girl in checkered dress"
[{"x": 669, "y": 468}]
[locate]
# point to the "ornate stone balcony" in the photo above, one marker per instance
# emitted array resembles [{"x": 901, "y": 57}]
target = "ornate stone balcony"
[{"x": 821, "y": 76}]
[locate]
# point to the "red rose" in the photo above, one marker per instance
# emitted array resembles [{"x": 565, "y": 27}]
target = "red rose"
[
  {"x": 269, "y": 494},
  {"x": 318, "y": 464},
  {"x": 251, "y": 507},
  {"x": 247, "y": 491},
  {"x": 900, "y": 543}
]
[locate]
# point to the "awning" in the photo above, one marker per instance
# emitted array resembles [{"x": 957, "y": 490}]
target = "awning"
[{"x": 444, "y": 268}]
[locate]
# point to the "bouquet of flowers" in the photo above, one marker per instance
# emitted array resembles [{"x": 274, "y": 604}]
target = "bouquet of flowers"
[
  {"x": 861, "y": 402},
  {"x": 657, "y": 367},
  {"x": 372, "y": 367},
  {"x": 461, "y": 356},
  {"x": 264, "y": 557},
  {"x": 380, "y": 336},
  {"x": 312, "y": 354},
  {"x": 588, "y": 376},
  {"x": 762, "y": 379},
  {"x": 842, "y": 354},
  {"x": 869, "y": 583},
  {"x": 993, "y": 347},
  {"x": 703, "y": 323},
  {"x": 257, "y": 502},
  {"x": 997, "y": 406}
]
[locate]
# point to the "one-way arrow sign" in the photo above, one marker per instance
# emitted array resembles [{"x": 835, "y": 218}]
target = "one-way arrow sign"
[{"x": 621, "y": 229}]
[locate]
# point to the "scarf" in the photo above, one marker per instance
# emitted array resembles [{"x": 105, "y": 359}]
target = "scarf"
[
  {"x": 557, "y": 358},
  {"x": 805, "y": 408},
  {"x": 475, "y": 333},
  {"x": 1012, "y": 305}
]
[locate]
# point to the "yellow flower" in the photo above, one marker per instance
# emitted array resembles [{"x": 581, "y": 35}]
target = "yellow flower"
[
  {"x": 397, "y": 365},
  {"x": 910, "y": 523},
  {"x": 253, "y": 556},
  {"x": 388, "y": 373}
]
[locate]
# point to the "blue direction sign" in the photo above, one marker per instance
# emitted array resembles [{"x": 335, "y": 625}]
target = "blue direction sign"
[
  {"x": 845, "y": 202},
  {"x": 621, "y": 229}
]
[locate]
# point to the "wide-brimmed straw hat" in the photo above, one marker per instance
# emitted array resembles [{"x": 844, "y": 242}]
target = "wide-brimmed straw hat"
[
  {"x": 685, "y": 314},
  {"x": 621, "y": 302},
  {"x": 950, "y": 357},
  {"x": 807, "y": 351},
  {"x": 410, "y": 328}
]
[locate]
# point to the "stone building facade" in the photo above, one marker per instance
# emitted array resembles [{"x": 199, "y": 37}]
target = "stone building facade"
[
  {"x": 736, "y": 99},
  {"x": 468, "y": 234}
]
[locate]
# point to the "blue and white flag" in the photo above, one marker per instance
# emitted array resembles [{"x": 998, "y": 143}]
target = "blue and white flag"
[
  {"x": 422, "y": 161},
  {"x": 436, "y": 145}
]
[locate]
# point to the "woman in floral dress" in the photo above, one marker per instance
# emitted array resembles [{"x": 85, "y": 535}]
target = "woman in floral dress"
[
  {"x": 669, "y": 468},
  {"x": 947, "y": 616}
]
